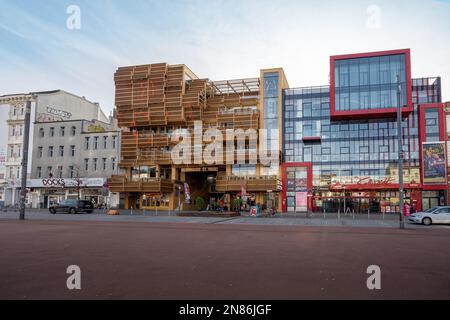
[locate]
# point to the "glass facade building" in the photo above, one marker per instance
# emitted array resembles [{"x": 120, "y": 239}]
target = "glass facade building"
[
  {"x": 356, "y": 158},
  {"x": 369, "y": 83}
]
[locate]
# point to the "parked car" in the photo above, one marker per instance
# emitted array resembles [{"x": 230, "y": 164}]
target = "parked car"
[
  {"x": 434, "y": 215},
  {"x": 72, "y": 206}
]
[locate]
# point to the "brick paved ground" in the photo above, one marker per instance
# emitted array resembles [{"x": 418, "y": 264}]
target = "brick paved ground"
[{"x": 226, "y": 260}]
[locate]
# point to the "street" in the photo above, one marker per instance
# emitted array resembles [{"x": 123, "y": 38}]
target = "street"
[{"x": 126, "y": 260}]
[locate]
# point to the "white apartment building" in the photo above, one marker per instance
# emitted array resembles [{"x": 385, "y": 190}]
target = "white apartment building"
[{"x": 48, "y": 106}]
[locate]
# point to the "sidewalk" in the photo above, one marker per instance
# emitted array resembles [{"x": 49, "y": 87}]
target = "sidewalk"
[{"x": 316, "y": 220}]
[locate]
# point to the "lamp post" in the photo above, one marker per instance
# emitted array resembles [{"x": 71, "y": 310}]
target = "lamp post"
[
  {"x": 26, "y": 141},
  {"x": 400, "y": 152}
]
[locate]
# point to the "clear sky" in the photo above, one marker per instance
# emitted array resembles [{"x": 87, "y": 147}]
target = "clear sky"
[{"x": 217, "y": 39}]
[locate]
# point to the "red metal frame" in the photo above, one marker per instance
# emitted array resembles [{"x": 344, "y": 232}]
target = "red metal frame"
[
  {"x": 308, "y": 166},
  {"x": 422, "y": 138},
  {"x": 385, "y": 112}
]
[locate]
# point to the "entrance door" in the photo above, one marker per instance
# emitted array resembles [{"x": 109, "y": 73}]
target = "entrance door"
[
  {"x": 133, "y": 201},
  {"x": 296, "y": 189}
]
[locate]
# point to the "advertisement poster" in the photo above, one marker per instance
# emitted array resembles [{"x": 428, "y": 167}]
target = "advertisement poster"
[
  {"x": 301, "y": 199},
  {"x": 434, "y": 163},
  {"x": 187, "y": 193}
]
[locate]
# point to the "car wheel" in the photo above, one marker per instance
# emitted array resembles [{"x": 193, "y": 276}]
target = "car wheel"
[
  {"x": 72, "y": 211},
  {"x": 427, "y": 221},
  {"x": 52, "y": 211}
]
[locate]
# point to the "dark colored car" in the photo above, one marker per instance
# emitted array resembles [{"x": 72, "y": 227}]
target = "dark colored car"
[{"x": 73, "y": 207}]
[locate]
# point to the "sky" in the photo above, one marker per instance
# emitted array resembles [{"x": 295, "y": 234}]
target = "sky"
[{"x": 217, "y": 39}]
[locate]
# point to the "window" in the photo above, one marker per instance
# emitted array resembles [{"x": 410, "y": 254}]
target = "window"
[
  {"x": 62, "y": 131},
  {"x": 41, "y": 132},
  {"x": 14, "y": 111},
  {"x": 86, "y": 164},
  {"x": 39, "y": 152},
  {"x": 60, "y": 172},
  {"x": 52, "y": 132},
  {"x": 113, "y": 163},
  {"x": 95, "y": 164},
  {"x": 104, "y": 164},
  {"x": 72, "y": 151},
  {"x": 50, "y": 152},
  {"x": 73, "y": 130},
  {"x": 71, "y": 172},
  {"x": 114, "y": 142},
  {"x": 11, "y": 151},
  {"x": 86, "y": 143},
  {"x": 95, "y": 143},
  {"x": 18, "y": 173},
  {"x": 105, "y": 142},
  {"x": 49, "y": 171},
  {"x": 61, "y": 151},
  {"x": 38, "y": 172}
]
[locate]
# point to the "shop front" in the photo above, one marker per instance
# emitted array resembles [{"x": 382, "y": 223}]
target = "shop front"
[{"x": 47, "y": 192}]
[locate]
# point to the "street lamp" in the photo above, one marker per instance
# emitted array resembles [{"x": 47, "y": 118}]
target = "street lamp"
[{"x": 400, "y": 151}]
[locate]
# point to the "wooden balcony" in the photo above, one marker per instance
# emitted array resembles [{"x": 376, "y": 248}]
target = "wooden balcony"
[
  {"x": 121, "y": 184},
  {"x": 145, "y": 157},
  {"x": 143, "y": 139},
  {"x": 251, "y": 184}
]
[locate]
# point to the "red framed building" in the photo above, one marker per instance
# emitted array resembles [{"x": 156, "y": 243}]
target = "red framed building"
[
  {"x": 345, "y": 137},
  {"x": 376, "y": 71}
]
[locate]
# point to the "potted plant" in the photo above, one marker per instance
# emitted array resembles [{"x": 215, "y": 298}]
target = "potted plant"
[{"x": 200, "y": 203}]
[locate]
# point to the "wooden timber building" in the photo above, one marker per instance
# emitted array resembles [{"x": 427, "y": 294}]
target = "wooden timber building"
[{"x": 155, "y": 100}]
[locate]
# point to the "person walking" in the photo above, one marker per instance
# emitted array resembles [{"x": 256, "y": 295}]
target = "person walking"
[{"x": 406, "y": 209}]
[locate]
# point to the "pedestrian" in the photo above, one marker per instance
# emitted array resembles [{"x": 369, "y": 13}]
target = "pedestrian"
[{"x": 406, "y": 209}]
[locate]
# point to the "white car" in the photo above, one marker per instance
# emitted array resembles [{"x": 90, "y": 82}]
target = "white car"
[{"x": 432, "y": 216}]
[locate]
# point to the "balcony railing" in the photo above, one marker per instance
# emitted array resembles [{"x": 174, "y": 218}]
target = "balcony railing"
[
  {"x": 123, "y": 184},
  {"x": 251, "y": 184}
]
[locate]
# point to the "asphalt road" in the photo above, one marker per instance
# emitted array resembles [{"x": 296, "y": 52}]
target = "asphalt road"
[{"x": 125, "y": 260}]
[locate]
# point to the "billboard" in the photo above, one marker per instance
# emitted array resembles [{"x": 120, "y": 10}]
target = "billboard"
[{"x": 434, "y": 163}]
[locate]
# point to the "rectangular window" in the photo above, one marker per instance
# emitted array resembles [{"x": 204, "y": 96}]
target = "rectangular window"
[
  {"x": 39, "y": 172},
  {"x": 60, "y": 172},
  {"x": 62, "y": 131},
  {"x": 105, "y": 142},
  {"x": 114, "y": 142},
  {"x": 41, "y": 132},
  {"x": 61, "y": 151},
  {"x": 113, "y": 164},
  {"x": 104, "y": 164},
  {"x": 71, "y": 172},
  {"x": 95, "y": 164},
  {"x": 72, "y": 151},
  {"x": 39, "y": 152},
  {"x": 49, "y": 171},
  {"x": 86, "y": 143},
  {"x": 50, "y": 152},
  {"x": 86, "y": 164},
  {"x": 52, "y": 132},
  {"x": 95, "y": 143},
  {"x": 73, "y": 130}
]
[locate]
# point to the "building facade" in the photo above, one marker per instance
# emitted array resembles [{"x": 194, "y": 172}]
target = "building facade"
[
  {"x": 72, "y": 160},
  {"x": 159, "y": 105},
  {"x": 48, "y": 106},
  {"x": 338, "y": 142}
]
